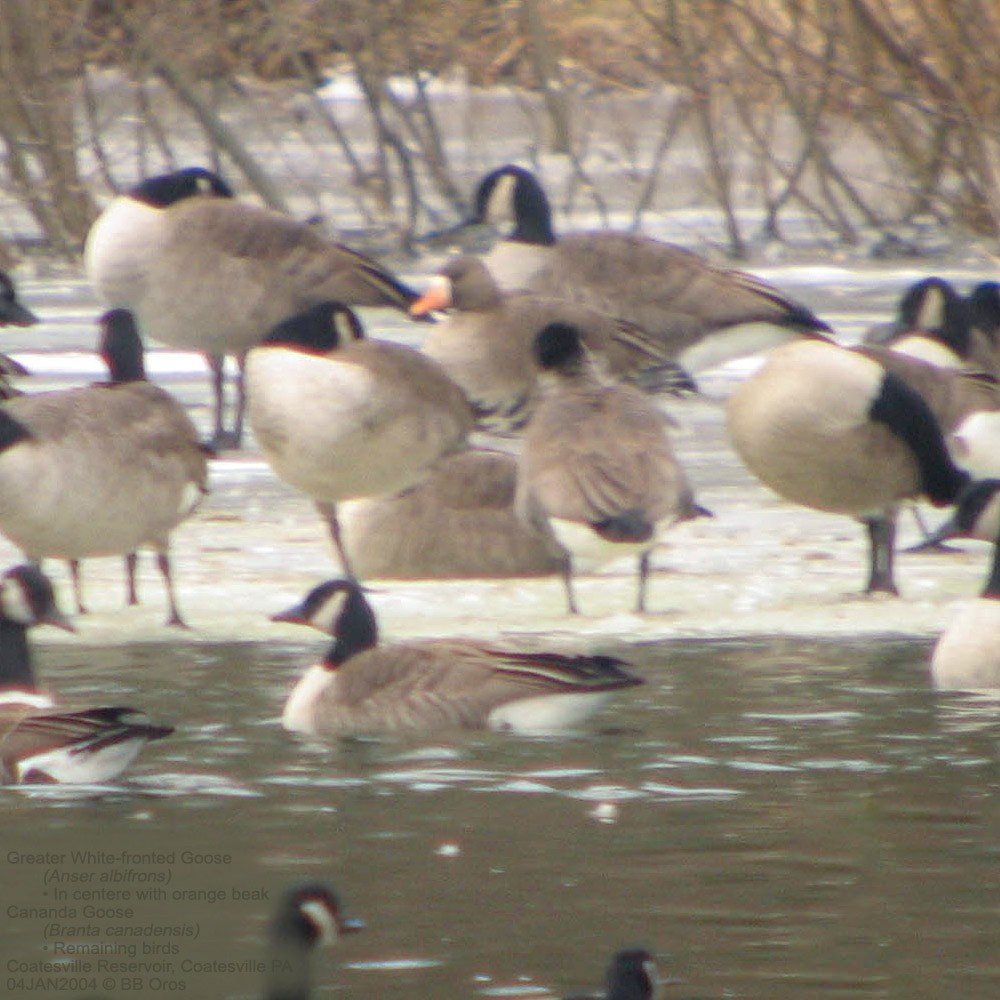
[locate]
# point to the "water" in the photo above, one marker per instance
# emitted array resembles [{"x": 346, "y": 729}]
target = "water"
[{"x": 777, "y": 818}]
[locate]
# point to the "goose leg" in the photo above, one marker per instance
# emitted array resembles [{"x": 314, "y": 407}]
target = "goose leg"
[
  {"x": 221, "y": 438},
  {"x": 241, "y": 401},
  {"x": 131, "y": 592},
  {"x": 74, "y": 573},
  {"x": 567, "y": 575},
  {"x": 328, "y": 511},
  {"x": 882, "y": 542},
  {"x": 640, "y": 601},
  {"x": 174, "y": 618}
]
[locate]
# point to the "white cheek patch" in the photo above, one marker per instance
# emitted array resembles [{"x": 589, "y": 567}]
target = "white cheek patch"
[
  {"x": 14, "y": 603},
  {"x": 500, "y": 204},
  {"x": 319, "y": 915}
]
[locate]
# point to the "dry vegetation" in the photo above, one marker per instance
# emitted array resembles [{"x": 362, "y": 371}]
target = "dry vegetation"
[{"x": 768, "y": 93}]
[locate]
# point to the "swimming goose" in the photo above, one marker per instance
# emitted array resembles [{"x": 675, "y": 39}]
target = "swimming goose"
[
  {"x": 203, "y": 271},
  {"x": 458, "y": 523},
  {"x": 12, "y": 312},
  {"x": 851, "y": 432},
  {"x": 307, "y": 916},
  {"x": 89, "y": 746},
  {"x": 967, "y": 653},
  {"x": 597, "y": 472},
  {"x": 101, "y": 470},
  {"x": 631, "y": 975},
  {"x": 360, "y": 686},
  {"x": 701, "y": 315},
  {"x": 341, "y": 417},
  {"x": 485, "y": 345}
]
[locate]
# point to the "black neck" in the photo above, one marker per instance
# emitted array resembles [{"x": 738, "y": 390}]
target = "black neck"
[
  {"x": 356, "y": 630},
  {"x": 905, "y": 412},
  {"x": 15, "y": 658},
  {"x": 288, "y": 977}
]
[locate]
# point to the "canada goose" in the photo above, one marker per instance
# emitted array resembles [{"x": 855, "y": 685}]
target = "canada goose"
[
  {"x": 360, "y": 686},
  {"x": 936, "y": 324},
  {"x": 701, "y": 315},
  {"x": 203, "y": 271},
  {"x": 459, "y": 522},
  {"x": 597, "y": 472},
  {"x": 101, "y": 470},
  {"x": 630, "y": 975},
  {"x": 341, "y": 418},
  {"x": 307, "y": 916},
  {"x": 12, "y": 311},
  {"x": 486, "y": 344},
  {"x": 967, "y": 653},
  {"x": 89, "y": 746},
  {"x": 851, "y": 432}
]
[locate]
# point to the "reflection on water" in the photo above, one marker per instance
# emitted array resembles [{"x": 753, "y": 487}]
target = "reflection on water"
[{"x": 777, "y": 819}]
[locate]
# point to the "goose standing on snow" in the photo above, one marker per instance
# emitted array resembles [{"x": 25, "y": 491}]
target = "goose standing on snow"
[
  {"x": 597, "y": 472},
  {"x": 203, "y": 271},
  {"x": 307, "y": 916},
  {"x": 339, "y": 416},
  {"x": 101, "y": 470},
  {"x": 89, "y": 746},
  {"x": 485, "y": 344},
  {"x": 851, "y": 432},
  {"x": 967, "y": 654},
  {"x": 360, "y": 686},
  {"x": 701, "y": 315}
]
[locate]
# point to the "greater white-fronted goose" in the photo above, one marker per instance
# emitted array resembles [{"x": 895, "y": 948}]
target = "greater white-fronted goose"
[
  {"x": 967, "y": 654},
  {"x": 204, "y": 271},
  {"x": 39, "y": 744},
  {"x": 458, "y": 523},
  {"x": 360, "y": 686},
  {"x": 341, "y": 417},
  {"x": 700, "y": 314},
  {"x": 597, "y": 471},
  {"x": 485, "y": 345},
  {"x": 852, "y": 432},
  {"x": 101, "y": 470}
]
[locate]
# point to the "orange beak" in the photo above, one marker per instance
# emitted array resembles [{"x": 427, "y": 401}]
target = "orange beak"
[{"x": 437, "y": 296}]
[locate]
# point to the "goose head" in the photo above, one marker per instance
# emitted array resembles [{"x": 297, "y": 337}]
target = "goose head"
[
  {"x": 318, "y": 329},
  {"x": 12, "y": 313},
  {"x": 984, "y": 309},
  {"x": 558, "y": 349},
  {"x": 27, "y": 598},
  {"x": 338, "y": 608},
  {"x": 631, "y": 975},
  {"x": 513, "y": 195},
  {"x": 307, "y": 916},
  {"x": 464, "y": 282},
  {"x": 190, "y": 182}
]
